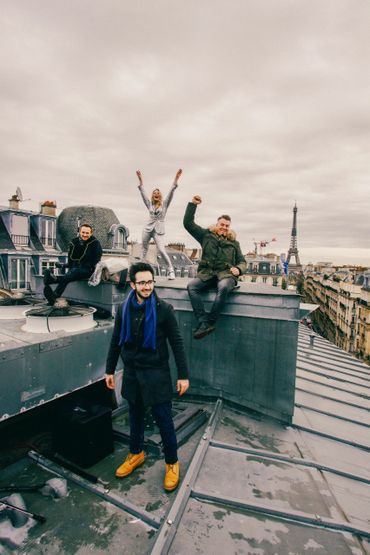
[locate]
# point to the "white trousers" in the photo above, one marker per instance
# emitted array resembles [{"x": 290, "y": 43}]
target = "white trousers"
[{"x": 159, "y": 241}]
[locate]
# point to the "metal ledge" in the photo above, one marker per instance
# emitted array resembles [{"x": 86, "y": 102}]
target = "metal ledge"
[
  {"x": 295, "y": 516},
  {"x": 286, "y": 458}
]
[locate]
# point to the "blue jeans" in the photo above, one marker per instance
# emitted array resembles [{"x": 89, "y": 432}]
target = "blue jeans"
[
  {"x": 162, "y": 415},
  {"x": 196, "y": 285}
]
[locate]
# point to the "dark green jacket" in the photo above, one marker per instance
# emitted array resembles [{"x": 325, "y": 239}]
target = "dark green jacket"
[{"x": 219, "y": 254}]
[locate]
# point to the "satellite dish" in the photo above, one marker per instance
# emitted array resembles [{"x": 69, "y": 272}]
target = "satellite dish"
[{"x": 19, "y": 193}]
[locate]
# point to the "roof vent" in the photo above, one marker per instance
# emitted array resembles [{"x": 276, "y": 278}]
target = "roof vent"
[
  {"x": 14, "y": 307},
  {"x": 48, "y": 319}
]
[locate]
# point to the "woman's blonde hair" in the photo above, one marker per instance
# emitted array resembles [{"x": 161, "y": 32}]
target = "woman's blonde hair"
[{"x": 157, "y": 202}]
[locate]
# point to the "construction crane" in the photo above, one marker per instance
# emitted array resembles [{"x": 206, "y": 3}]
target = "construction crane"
[{"x": 261, "y": 244}]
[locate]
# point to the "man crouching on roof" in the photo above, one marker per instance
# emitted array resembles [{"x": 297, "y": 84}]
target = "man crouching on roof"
[{"x": 142, "y": 326}]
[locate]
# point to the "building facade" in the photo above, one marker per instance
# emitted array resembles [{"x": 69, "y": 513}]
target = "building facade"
[
  {"x": 263, "y": 269},
  {"x": 343, "y": 315},
  {"x": 28, "y": 244}
]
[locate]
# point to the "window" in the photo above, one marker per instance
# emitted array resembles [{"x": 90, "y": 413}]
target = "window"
[
  {"x": 119, "y": 234},
  {"x": 48, "y": 265},
  {"x": 119, "y": 242},
  {"x": 48, "y": 232},
  {"x": 18, "y": 273},
  {"x": 19, "y": 232}
]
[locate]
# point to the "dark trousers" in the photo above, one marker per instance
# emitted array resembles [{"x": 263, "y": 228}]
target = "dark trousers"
[
  {"x": 74, "y": 274},
  {"x": 196, "y": 285},
  {"x": 162, "y": 415}
]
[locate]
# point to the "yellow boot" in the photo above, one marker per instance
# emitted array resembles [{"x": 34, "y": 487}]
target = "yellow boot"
[
  {"x": 172, "y": 477},
  {"x": 130, "y": 463}
]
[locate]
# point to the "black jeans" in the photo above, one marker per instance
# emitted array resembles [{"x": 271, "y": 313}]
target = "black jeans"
[
  {"x": 74, "y": 274},
  {"x": 196, "y": 285},
  {"x": 162, "y": 415}
]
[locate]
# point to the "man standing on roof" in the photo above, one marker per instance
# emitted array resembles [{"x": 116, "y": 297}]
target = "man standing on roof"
[
  {"x": 142, "y": 327},
  {"x": 84, "y": 252},
  {"x": 221, "y": 264}
]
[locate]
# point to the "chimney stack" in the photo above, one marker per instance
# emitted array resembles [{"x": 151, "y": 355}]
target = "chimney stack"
[
  {"x": 14, "y": 202},
  {"x": 48, "y": 208}
]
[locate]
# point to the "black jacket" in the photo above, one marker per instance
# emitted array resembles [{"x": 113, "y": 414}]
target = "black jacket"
[
  {"x": 84, "y": 254},
  {"x": 146, "y": 369}
]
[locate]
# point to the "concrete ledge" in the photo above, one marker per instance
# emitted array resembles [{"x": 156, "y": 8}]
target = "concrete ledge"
[
  {"x": 250, "y": 359},
  {"x": 106, "y": 295}
]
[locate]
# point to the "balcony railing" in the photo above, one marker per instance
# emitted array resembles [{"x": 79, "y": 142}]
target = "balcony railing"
[{"x": 21, "y": 240}]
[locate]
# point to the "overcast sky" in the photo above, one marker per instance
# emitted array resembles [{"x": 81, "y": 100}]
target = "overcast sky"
[{"x": 261, "y": 102}]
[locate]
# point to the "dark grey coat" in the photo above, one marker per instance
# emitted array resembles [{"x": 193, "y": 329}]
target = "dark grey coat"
[{"x": 146, "y": 369}]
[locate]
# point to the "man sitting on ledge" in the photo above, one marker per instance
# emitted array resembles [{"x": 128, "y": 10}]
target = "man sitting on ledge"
[
  {"x": 221, "y": 263},
  {"x": 84, "y": 253}
]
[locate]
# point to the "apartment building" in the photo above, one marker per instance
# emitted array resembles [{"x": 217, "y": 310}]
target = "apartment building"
[{"x": 343, "y": 315}]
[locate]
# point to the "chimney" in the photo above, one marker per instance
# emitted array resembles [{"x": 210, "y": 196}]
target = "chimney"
[
  {"x": 14, "y": 202},
  {"x": 48, "y": 208}
]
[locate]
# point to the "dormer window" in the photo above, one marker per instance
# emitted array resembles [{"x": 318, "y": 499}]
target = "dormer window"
[
  {"x": 119, "y": 234},
  {"x": 119, "y": 239},
  {"x": 19, "y": 230},
  {"x": 48, "y": 234}
]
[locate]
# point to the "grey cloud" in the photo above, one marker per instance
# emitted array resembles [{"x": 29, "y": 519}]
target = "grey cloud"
[{"x": 261, "y": 103}]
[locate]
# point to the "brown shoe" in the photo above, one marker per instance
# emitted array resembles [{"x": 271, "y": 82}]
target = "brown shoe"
[
  {"x": 172, "y": 477},
  {"x": 131, "y": 462}
]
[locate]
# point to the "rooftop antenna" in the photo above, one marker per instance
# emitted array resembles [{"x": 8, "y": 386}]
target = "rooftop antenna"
[{"x": 19, "y": 194}]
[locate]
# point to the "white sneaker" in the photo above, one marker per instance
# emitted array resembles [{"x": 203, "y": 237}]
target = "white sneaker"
[
  {"x": 171, "y": 275},
  {"x": 61, "y": 303}
]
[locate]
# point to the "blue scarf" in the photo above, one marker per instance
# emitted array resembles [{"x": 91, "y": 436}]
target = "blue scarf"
[{"x": 150, "y": 324}]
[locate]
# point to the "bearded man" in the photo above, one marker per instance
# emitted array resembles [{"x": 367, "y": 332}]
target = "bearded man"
[
  {"x": 144, "y": 325},
  {"x": 221, "y": 264}
]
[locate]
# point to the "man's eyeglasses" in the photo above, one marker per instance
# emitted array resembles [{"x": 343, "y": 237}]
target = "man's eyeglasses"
[{"x": 150, "y": 282}]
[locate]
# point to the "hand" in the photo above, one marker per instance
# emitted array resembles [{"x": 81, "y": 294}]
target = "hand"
[
  {"x": 178, "y": 175},
  {"x": 140, "y": 177},
  {"x": 196, "y": 199},
  {"x": 235, "y": 271},
  {"x": 182, "y": 386},
  {"x": 109, "y": 381}
]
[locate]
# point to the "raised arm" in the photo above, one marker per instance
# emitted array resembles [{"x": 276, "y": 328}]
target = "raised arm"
[
  {"x": 177, "y": 176},
  {"x": 169, "y": 197},
  {"x": 141, "y": 189},
  {"x": 194, "y": 229}
]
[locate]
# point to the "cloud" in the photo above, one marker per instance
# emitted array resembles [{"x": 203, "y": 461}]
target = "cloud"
[{"x": 263, "y": 104}]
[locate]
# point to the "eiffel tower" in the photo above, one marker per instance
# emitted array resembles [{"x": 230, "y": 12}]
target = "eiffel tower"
[{"x": 293, "y": 249}]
